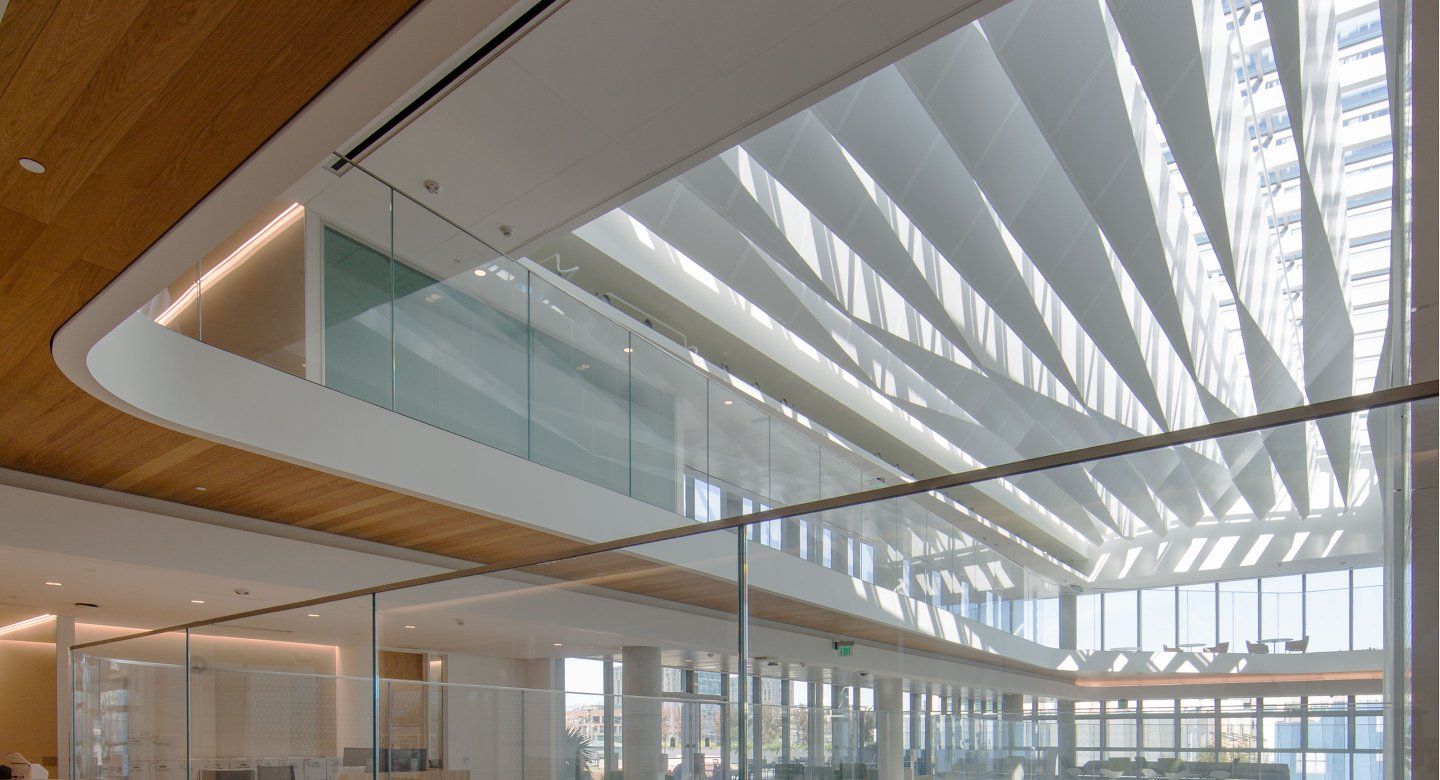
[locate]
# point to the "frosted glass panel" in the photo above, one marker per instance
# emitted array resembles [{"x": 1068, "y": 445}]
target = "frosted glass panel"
[
  {"x": 460, "y": 332},
  {"x": 357, "y": 318},
  {"x": 580, "y": 389},
  {"x": 667, "y": 426}
]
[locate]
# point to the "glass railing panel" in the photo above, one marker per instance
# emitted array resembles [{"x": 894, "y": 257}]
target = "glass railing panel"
[
  {"x": 288, "y": 695},
  {"x": 177, "y": 307},
  {"x": 129, "y": 719},
  {"x": 461, "y": 333},
  {"x": 352, "y": 327},
  {"x": 794, "y": 465},
  {"x": 1231, "y": 569},
  {"x": 596, "y": 666},
  {"x": 739, "y": 450},
  {"x": 668, "y": 428},
  {"x": 579, "y": 389}
]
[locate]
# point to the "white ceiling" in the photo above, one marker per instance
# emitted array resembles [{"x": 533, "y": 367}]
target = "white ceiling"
[{"x": 605, "y": 95}]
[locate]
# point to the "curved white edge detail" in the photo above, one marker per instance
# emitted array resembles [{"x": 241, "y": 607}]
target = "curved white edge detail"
[{"x": 245, "y": 404}]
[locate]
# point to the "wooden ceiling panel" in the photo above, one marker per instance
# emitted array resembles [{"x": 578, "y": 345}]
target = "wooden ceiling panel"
[{"x": 156, "y": 45}]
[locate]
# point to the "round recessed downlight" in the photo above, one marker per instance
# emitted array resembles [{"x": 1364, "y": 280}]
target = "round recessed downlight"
[
  {"x": 480, "y": 271},
  {"x": 33, "y": 166}
]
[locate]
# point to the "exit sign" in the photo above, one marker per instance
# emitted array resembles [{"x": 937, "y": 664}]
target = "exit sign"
[
  {"x": 844, "y": 646},
  {"x": 845, "y": 650}
]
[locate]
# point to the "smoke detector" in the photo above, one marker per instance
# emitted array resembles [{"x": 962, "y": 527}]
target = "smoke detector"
[{"x": 432, "y": 186}]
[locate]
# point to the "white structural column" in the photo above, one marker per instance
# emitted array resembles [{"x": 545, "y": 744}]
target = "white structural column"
[
  {"x": 815, "y": 725},
  {"x": 1065, "y": 708},
  {"x": 640, "y": 713},
  {"x": 840, "y": 731},
  {"x": 890, "y": 728},
  {"x": 64, "y": 694}
]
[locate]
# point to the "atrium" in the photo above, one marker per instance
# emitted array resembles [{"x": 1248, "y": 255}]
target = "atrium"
[{"x": 617, "y": 390}]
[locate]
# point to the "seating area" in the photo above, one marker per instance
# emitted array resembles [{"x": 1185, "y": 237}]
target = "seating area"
[
  {"x": 1178, "y": 769},
  {"x": 1263, "y": 646}
]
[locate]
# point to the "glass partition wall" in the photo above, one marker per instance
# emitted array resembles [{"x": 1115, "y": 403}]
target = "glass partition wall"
[{"x": 718, "y": 652}]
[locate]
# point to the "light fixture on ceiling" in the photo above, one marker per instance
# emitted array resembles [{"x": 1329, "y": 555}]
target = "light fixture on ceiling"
[
  {"x": 728, "y": 402},
  {"x": 242, "y": 253},
  {"x": 54, "y": 584},
  {"x": 583, "y": 367},
  {"x": 312, "y": 614},
  {"x": 197, "y": 601},
  {"x": 201, "y": 488},
  {"x": 558, "y": 644},
  {"x": 480, "y": 272},
  {"x": 32, "y": 165},
  {"x": 24, "y": 624},
  {"x": 409, "y": 628},
  {"x": 432, "y": 297},
  {"x": 628, "y": 350}
]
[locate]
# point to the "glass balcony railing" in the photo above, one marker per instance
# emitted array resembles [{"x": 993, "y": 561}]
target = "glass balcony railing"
[
  {"x": 366, "y": 291},
  {"x": 681, "y": 659}
]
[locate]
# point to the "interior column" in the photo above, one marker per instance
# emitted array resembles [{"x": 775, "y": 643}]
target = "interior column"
[
  {"x": 64, "y": 694},
  {"x": 890, "y": 728},
  {"x": 815, "y": 725},
  {"x": 840, "y": 724},
  {"x": 1065, "y": 708},
  {"x": 641, "y": 678}
]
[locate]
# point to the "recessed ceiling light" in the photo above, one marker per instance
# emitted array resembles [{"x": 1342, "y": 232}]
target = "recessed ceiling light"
[
  {"x": 557, "y": 644},
  {"x": 312, "y": 614},
  {"x": 197, "y": 601},
  {"x": 410, "y": 628},
  {"x": 54, "y": 584},
  {"x": 629, "y": 349},
  {"x": 582, "y": 367},
  {"x": 480, "y": 272},
  {"x": 33, "y": 166},
  {"x": 201, "y": 488},
  {"x": 728, "y": 402}
]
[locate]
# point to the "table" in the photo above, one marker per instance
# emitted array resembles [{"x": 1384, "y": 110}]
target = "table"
[{"x": 1275, "y": 643}]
